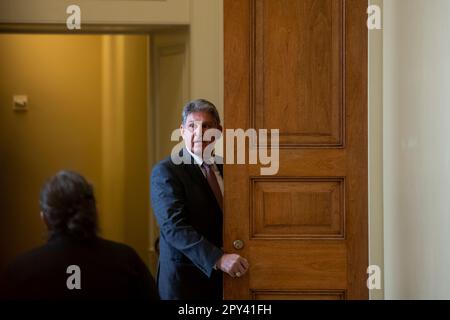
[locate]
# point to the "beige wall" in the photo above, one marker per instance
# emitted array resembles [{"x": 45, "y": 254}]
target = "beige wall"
[
  {"x": 171, "y": 87},
  {"x": 125, "y": 144},
  {"x": 207, "y": 51},
  {"x": 170, "y": 91},
  {"x": 205, "y": 18},
  {"x": 100, "y": 11},
  {"x": 60, "y": 130},
  {"x": 137, "y": 169},
  {"x": 205, "y": 78},
  {"x": 88, "y": 100},
  {"x": 416, "y": 149}
]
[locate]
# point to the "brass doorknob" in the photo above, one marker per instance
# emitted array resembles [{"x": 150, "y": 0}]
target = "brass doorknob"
[{"x": 238, "y": 244}]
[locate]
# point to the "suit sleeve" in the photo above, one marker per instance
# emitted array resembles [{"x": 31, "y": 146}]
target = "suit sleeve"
[{"x": 168, "y": 201}]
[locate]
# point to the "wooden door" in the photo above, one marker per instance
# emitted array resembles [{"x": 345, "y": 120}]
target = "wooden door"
[{"x": 299, "y": 66}]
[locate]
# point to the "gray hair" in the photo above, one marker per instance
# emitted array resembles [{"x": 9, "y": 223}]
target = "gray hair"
[{"x": 200, "y": 105}]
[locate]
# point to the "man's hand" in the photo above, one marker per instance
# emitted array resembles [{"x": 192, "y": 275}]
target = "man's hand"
[{"x": 233, "y": 264}]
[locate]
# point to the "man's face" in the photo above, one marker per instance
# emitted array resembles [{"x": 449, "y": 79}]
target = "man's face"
[{"x": 193, "y": 131}]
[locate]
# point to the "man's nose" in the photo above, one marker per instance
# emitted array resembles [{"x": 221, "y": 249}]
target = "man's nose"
[{"x": 198, "y": 131}]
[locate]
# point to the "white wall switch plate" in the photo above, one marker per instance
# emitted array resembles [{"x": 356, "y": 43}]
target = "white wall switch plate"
[{"x": 20, "y": 103}]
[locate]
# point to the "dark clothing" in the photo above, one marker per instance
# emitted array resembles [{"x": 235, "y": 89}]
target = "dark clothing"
[
  {"x": 190, "y": 221},
  {"x": 108, "y": 270}
]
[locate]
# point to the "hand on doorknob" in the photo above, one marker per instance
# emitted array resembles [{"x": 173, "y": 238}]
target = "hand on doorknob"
[{"x": 233, "y": 264}]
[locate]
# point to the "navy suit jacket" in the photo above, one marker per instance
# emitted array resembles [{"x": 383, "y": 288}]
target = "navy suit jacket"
[{"x": 190, "y": 222}]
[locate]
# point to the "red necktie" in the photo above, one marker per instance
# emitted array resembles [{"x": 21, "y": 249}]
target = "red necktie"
[{"x": 214, "y": 185}]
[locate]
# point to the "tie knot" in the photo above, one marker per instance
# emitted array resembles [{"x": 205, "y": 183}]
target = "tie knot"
[{"x": 207, "y": 166}]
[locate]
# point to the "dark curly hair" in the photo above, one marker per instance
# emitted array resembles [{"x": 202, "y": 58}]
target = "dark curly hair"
[{"x": 68, "y": 204}]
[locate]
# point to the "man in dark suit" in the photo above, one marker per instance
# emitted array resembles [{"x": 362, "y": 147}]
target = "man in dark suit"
[
  {"x": 75, "y": 263},
  {"x": 187, "y": 200}
]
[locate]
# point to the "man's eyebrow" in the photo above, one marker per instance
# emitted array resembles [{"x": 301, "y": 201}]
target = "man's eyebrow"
[{"x": 202, "y": 121}]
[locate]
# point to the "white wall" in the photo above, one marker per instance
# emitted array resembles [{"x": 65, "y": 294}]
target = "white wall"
[
  {"x": 376, "y": 254},
  {"x": 417, "y": 149}
]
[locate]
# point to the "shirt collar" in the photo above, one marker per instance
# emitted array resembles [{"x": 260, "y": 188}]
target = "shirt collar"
[{"x": 199, "y": 160}]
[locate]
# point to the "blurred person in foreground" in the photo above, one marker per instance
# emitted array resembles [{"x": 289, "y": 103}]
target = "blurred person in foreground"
[{"x": 76, "y": 263}]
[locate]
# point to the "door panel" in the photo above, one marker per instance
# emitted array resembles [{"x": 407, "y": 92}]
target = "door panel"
[
  {"x": 276, "y": 203},
  {"x": 299, "y": 66},
  {"x": 298, "y": 70}
]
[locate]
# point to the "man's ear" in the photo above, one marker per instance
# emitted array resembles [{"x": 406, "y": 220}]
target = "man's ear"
[{"x": 182, "y": 129}]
